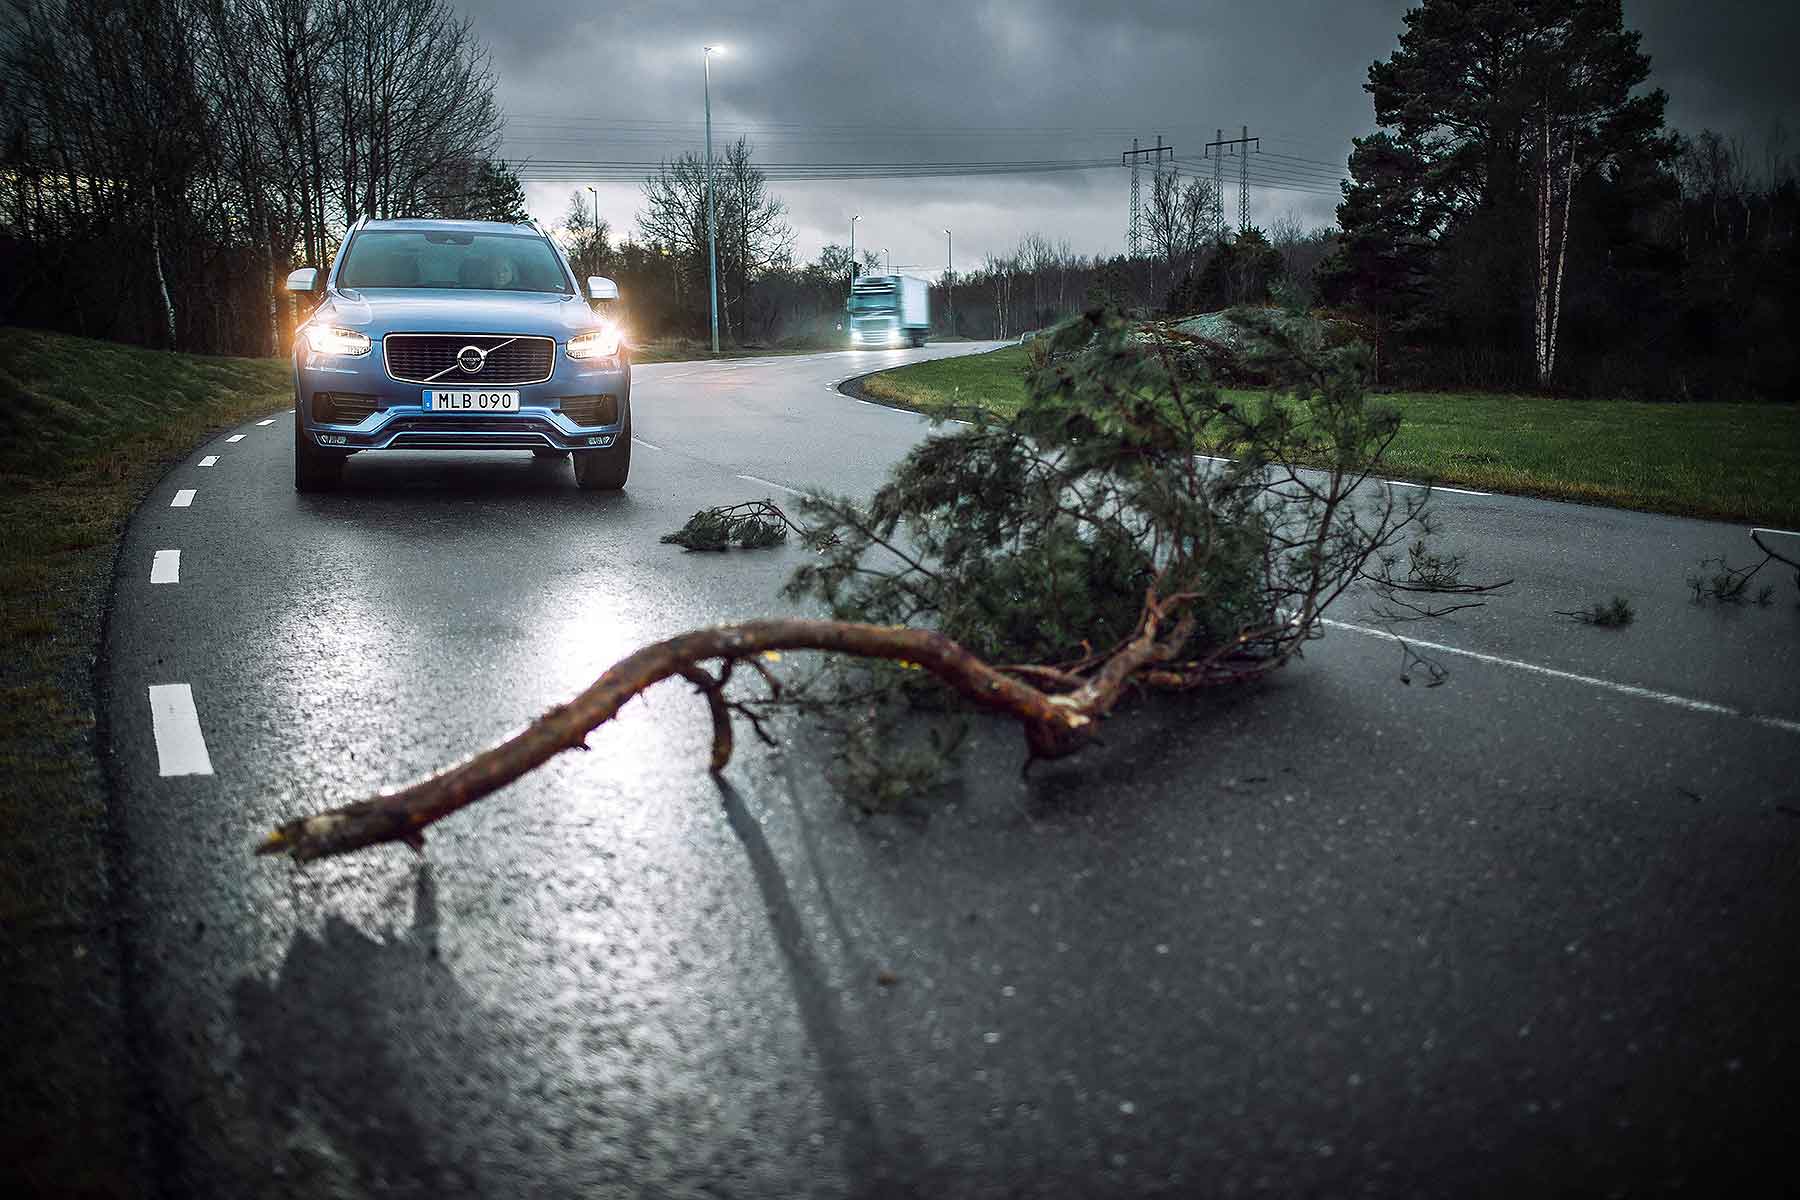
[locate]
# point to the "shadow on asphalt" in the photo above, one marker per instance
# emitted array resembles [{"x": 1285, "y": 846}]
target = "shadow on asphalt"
[
  {"x": 873, "y": 1165},
  {"x": 332, "y": 1051}
]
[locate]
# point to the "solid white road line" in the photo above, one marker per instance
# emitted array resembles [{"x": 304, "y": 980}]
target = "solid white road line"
[
  {"x": 1436, "y": 487},
  {"x": 209, "y": 460},
  {"x": 270, "y": 421},
  {"x": 652, "y": 445},
  {"x": 777, "y": 486},
  {"x": 183, "y": 498},
  {"x": 236, "y": 437},
  {"x": 166, "y": 567},
  {"x": 1623, "y": 689},
  {"x": 180, "y": 747}
]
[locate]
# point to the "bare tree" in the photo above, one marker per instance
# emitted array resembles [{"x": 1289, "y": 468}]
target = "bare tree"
[
  {"x": 1002, "y": 272},
  {"x": 1035, "y": 256},
  {"x": 1180, "y": 221},
  {"x": 209, "y": 142},
  {"x": 584, "y": 235}
]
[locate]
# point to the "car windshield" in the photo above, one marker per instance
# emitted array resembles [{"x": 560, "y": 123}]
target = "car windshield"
[{"x": 428, "y": 258}]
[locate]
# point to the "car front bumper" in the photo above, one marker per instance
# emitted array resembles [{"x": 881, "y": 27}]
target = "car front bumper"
[{"x": 398, "y": 420}]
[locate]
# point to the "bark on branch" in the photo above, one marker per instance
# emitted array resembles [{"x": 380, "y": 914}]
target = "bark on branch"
[{"x": 1054, "y": 725}]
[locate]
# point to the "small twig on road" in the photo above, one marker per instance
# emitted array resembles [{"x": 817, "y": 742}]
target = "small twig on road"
[{"x": 1616, "y": 615}]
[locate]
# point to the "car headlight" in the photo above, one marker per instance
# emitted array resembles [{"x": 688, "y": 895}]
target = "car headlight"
[
  {"x": 601, "y": 343},
  {"x": 330, "y": 339}
]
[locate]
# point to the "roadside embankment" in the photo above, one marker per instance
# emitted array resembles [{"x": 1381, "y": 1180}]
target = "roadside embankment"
[{"x": 86, "y": 428}]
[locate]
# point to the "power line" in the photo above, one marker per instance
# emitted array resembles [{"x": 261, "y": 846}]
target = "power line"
[
  {"x": 1217, "y": 150},
  {"x": 627, "y": 170},
  {"x": 1132, "y": 157}
]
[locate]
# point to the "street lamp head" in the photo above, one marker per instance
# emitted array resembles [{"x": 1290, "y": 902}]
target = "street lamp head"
[{"x": 713, "y": 49}]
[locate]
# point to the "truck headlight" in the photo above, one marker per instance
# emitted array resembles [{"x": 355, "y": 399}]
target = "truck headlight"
[
  {"x": 601, "y": 343},
  {"x": 340, "y": 343}
]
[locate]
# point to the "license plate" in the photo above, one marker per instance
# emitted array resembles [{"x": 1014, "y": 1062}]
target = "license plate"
[{"x": 468, "y": 400}]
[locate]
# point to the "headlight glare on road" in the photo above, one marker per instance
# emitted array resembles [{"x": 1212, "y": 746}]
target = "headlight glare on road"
[
  {"x": 341, "y": 343},
  {"x": 601, "y": 343}
]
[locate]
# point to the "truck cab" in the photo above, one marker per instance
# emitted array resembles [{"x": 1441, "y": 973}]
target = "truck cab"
[{"x": 889, "y": 310}]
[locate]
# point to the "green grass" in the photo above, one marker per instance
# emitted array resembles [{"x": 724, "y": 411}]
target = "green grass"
[
  {"x": 1730, "y": 461},
  {"x": 86, "y": 428},
  {"x": 993, "y": 381}
]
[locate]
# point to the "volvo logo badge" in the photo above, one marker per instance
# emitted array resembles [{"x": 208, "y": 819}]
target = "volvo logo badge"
[{"x": 471, "y": 359}]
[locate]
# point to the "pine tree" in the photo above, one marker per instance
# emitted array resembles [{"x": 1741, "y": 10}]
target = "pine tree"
[{"x": 1493, "y": 114}]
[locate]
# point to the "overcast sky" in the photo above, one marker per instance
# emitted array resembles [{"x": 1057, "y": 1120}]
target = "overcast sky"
[{"x": 920, "y": 80}]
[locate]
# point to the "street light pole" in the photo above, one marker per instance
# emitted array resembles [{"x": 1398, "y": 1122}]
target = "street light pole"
[
  {"x": 853, "y": 221},
  {"x": 595, "y": 231},
  {"x": 712, "y": 251},
  {"x": 890, "y": 260},
  {"x": 950, "y": 278}
]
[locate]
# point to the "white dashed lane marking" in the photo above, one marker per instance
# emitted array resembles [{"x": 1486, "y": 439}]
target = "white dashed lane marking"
[
  {"x": 236, "y": 437},
  {"x": 270, "y": 421},
  {"x": 780, "y": 487},
  {"x": 1623, "y": 689},
  {"x": 652, "y": 445},
  {"x": 183, "y": 498},
  {"x": 180, "y": 746},
  {"x": 166, "y": 567},
  {"x": 209, "y": 460}
]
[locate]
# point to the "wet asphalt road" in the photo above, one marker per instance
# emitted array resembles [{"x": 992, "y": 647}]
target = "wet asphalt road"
[{"x": 1523, "y": 933}]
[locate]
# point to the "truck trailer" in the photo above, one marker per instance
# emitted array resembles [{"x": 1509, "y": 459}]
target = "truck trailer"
[{"x": 889, "y": 310}]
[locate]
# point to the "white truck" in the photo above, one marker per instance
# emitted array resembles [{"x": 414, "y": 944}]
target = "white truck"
[{"x": 889, "y": 310}]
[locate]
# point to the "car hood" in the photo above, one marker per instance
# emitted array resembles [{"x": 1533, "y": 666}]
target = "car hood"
[{"x": 378, "y": 311}]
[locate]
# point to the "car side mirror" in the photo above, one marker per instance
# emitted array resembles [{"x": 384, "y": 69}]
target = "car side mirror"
[
  {"x": 306, "y": 279},
  {"x": 602, "y": 288}
]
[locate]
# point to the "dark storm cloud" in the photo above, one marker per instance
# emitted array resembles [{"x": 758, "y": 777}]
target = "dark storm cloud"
[
  {"x": 1003, "y": 79},
  {"x": 1728, "y": 66}
]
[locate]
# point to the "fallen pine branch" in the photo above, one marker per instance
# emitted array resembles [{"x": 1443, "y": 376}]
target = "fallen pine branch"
[
  {"x": 1084, "y": 521},
  {"x": 1054, "y": 725}
]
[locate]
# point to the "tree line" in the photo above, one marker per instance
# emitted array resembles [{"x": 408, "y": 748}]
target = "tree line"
[
  {"x": 1523, "y": 218},
  {"x": 165, "y": 162}
]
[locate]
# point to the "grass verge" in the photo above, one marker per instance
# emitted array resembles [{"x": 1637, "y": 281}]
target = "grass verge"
[
  {"x": 693, "y": 349},
  {"x": 86, "y": 428},
  {"x": 1736, "y": 462}
]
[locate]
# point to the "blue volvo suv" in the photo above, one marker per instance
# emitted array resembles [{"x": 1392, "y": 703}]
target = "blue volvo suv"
[{"x": 458, "y": 335}]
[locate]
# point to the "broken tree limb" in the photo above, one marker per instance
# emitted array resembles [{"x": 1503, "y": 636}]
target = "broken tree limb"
[{"x": 1053, "y": 725}]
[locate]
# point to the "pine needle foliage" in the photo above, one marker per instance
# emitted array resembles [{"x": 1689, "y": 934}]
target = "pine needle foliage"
[
  {"x": 1038, "y": 539},
  {"x": 751, "y": 525}
]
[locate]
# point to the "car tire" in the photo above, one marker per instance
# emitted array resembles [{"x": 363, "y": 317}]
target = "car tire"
[
  {"x": 315, "y": 470},
  {"x": 605, "y": 470}
]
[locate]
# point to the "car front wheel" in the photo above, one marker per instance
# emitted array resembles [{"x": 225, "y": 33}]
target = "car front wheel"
[{"x": 605, "y": 470}]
